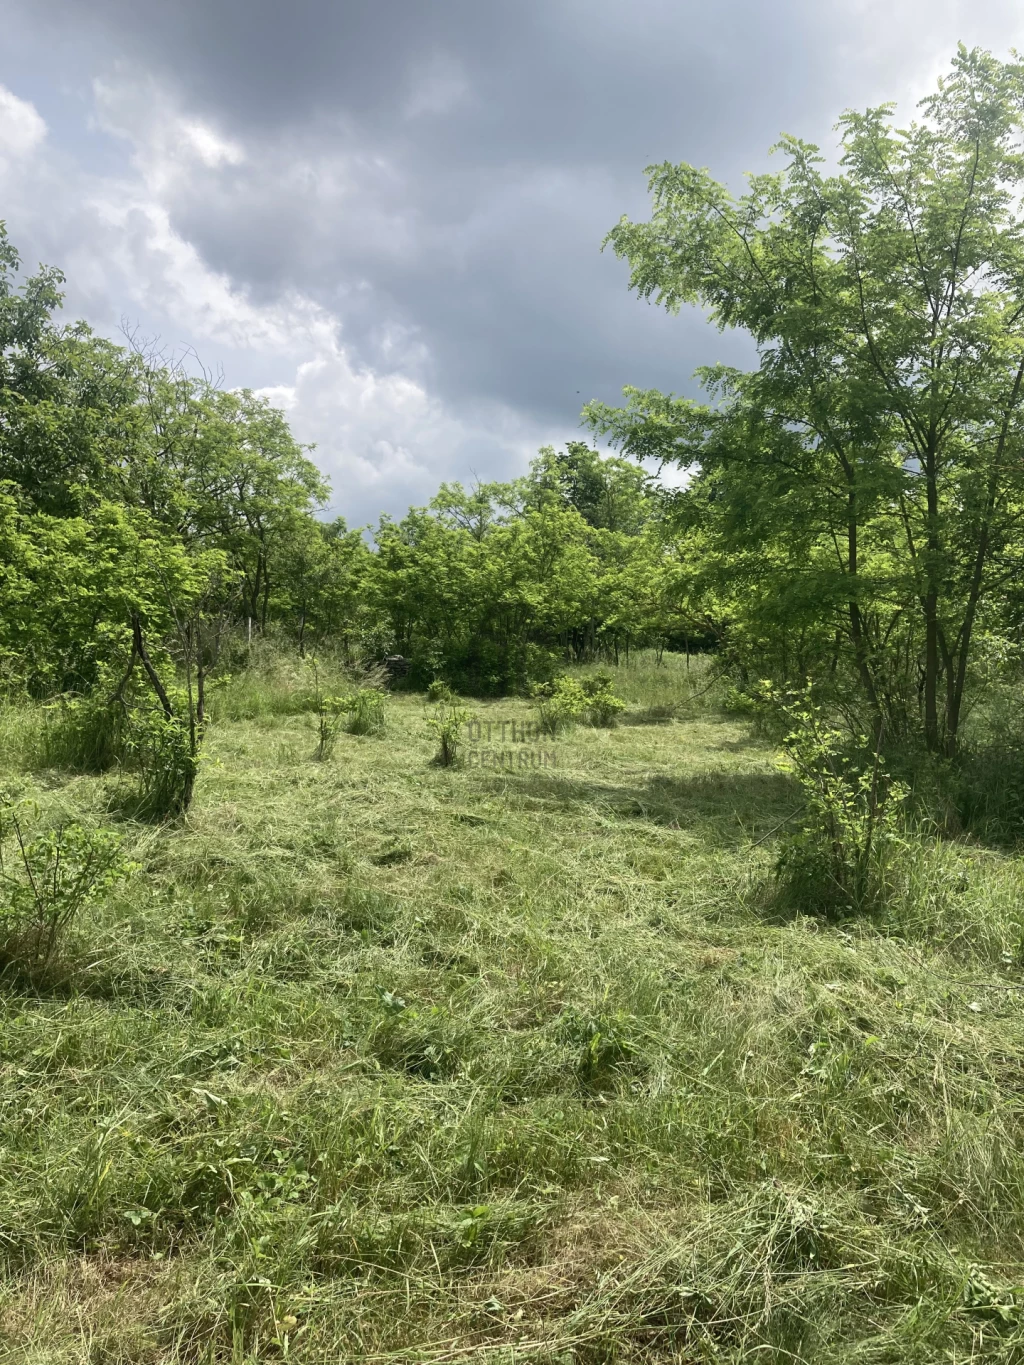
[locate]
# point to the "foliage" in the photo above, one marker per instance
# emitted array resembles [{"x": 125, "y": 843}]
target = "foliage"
[
  {"x": 331, "y": 710},
  {"x": 602, "y": 705},
  {"x": 852, "y": 819},
  {"x": 447, "y": 723},
  {"x": 439, "y": 690},
  {"x": 367, "y": 711},
  {"x": 856, "y": 500},
  {"x": 493, "y": 588},
  {"x": 46, "y": 880},
  {"x": 158, "y": 749},
  {"x": 567, "y": 700}
]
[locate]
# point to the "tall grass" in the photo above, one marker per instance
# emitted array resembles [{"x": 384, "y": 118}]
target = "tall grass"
[{"x": 660, "y": 689}]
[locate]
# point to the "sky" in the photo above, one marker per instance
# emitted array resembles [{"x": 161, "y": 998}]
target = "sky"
[{"x": 387, "y": 215}]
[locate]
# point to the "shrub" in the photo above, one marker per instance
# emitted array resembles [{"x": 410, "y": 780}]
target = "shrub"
[
  {"x": 602, "y": 705},
  {"x": 839, "y": 859},
  {"x": 567, "y": 701},
  {"x": 161, "y": 749},
  {"x": 362, "y": 712},
  {"x": 447, "y": 723},
  {"x": 560, "y": 704},
  {"x": 736, "y": 702},
  {"x": 439, "y": 691},
  {"x": 330, "y": 713},
  {"x": 46, "y": 881}
]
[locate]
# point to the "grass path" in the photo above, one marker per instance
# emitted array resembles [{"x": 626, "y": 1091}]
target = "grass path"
[{"x": 373, "y": 1061}]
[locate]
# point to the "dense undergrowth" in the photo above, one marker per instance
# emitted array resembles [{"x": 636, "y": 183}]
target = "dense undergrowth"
[{"x": 373, "y": 1059}]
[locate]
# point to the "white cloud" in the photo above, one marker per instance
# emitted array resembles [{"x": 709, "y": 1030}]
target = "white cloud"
[
  {"x": 354, "y": 252},
  {"x": 211, "y": 149},
  {"x": 381, "y": 437},
  {"x": 22, "y": 128}
]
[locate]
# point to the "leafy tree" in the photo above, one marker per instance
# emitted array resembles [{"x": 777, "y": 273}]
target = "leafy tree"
[
  {"x": 870, "y": 468},
  {"x": 609, "y": 493}
]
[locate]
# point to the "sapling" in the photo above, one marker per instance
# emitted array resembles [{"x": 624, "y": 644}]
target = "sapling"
[
  {"x": 447, "y": 723},
  {"x": 46, "y": 880}
]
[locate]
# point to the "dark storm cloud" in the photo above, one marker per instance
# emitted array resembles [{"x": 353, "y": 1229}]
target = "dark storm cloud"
[
  {"x": 581, "y": 80},
  {"x": 488, "y": 148},
  {"x": 438, "y": 176}
]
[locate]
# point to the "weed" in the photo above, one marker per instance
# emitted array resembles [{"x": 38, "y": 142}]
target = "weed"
[
  {"x": 566, "y": 701},
  {"x": 439, "y": 691},
  {"x": 161, "y": 751},
  {"x": 447, "y": 723},
  {"x": 367, "y": 712},
  {"x": 851, "y": 824},
  {"x": 330, "y": 713}
]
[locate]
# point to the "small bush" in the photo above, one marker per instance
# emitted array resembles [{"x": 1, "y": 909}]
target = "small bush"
[
  {"x": 602, "y": 705},
  {"x": 567, "y": 701},
  {"x": 737, "y": 702},
  {"x": 447, "y": 723},
  {"x": 560, "y": 704},
  {"x": 362, "y": 712},
  {"x": 160, "y": 750},
  {"x": 46, "y": 881},
  {"x": 439, "y": 691},
  {"x": 838, "y": 860},
  {"x": 330, "y": 713}
]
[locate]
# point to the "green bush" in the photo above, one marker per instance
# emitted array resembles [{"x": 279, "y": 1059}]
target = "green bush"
[
  {"x": 160, "y": 750},
  {"x": 447, "y": 724},
  {"x": 366, "y": 711},
  {"x": 839, "y": 859},
  {"x": 568, "y": 701},
  {"x": 602, "y": 705},
  {"x": 46, "y": 880},
  {"x": 737, "y": 702},
  {"x": 439, "y": 691}
]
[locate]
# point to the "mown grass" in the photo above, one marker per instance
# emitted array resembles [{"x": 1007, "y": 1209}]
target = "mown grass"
[{"x": 374, "y": 1060}]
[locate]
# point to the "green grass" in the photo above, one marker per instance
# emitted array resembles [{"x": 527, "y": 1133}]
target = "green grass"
[{"x": 373, "y": 1060}]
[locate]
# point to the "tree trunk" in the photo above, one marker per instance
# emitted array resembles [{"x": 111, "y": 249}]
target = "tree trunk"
[{"x": 931, "y": 609}]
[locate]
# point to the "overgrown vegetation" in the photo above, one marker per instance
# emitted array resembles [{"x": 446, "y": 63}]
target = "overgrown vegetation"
[
  {"x": 566, "y": 701},
  {"x": 851, "y": 826},
  {"x": 47, "y": 878}
]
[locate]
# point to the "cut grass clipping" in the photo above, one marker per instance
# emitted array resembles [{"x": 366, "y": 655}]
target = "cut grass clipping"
[{"x": 375, "y": 1059}]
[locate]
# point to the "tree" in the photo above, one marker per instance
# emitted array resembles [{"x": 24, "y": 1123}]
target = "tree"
[
  {"x": 609, "y": 493},
  {"x": 876, "y": 451}
]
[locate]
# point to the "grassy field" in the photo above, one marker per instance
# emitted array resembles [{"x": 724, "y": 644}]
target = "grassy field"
[{"x": 374, "y": 1061}]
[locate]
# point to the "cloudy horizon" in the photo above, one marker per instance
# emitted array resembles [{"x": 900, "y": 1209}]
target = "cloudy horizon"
[{"x": 388, "y": 216}]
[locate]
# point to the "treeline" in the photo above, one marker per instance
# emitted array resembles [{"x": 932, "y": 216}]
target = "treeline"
[{"x": 150, "y": 519}]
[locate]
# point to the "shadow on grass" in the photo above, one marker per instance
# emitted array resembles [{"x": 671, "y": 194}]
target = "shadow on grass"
[
  {"x": 650, "y": 715},
  {"x": 728, "y": 809}
]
